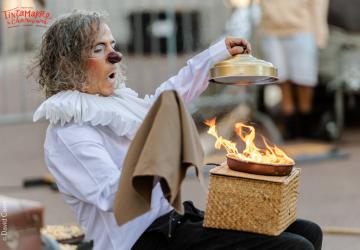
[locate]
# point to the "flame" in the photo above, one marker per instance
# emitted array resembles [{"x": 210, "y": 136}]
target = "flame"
[{"x": 271, "y": 154}]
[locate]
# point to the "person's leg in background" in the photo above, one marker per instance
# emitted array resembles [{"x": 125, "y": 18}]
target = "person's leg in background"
[
  {"x": 305, "y": 102},
  {"x": 305, "y": 107},
  {"x": 288, "y": 104},
  {"x": 289, "y": 110},
  {"x": 274, "y": 50},
  {"x": 301, "y": 51}
]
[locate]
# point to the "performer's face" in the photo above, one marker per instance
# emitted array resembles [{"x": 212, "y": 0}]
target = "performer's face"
[{"x": 101, "y": 70}]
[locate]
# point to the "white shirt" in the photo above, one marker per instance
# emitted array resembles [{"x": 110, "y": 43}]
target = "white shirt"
[{"x": 87, "y": 140}]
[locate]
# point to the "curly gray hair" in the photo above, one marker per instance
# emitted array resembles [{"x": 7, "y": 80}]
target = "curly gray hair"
[{"x": 61, "y": 61}]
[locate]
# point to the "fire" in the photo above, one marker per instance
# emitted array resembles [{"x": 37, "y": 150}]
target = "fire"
[{"x": 271, "y": 154}]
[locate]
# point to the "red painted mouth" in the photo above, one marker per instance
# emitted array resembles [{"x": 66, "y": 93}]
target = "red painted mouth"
[{"x": 112, "y": 75}]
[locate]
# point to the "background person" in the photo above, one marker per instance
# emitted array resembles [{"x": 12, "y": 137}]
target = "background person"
[{"x": 290, "y": 34}]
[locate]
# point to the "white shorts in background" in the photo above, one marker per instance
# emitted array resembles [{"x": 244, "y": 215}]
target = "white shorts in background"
[{"x": 295, "y": 57}]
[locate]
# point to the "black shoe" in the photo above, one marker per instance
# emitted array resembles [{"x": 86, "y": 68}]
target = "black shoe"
[
  {"x": 308, "y": 125},
  {"x": 291, "y": 130}
]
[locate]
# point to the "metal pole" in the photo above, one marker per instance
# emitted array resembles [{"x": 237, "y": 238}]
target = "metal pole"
[
  {"x": 138, "y": 33},
  {"x": 187, "y": 36},
  {"x": 339, "y": 110},
  {"x": 171, "y": 42},
  {"x": 155, "y": 46}
]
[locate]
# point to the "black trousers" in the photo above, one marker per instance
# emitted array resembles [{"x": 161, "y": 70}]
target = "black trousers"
[{"x": 174, "y": 231}]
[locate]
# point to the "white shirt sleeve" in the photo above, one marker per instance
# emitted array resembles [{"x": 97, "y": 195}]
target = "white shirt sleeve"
[
  {"x": 85, "y": 170},
  {"x": 192, "y": 79}
]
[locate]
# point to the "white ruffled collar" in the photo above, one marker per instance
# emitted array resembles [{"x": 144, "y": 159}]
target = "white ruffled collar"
[{"x": 122, "y": 112}]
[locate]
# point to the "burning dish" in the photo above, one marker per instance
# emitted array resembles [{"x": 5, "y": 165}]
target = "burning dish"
[
  {"x": 270, "y": 160},
  {"x": 258, "y": 168}
]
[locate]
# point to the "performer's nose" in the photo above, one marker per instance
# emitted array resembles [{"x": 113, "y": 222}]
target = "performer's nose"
[{"x": 114, "y": 57}]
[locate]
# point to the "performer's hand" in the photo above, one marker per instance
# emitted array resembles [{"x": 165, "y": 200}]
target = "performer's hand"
[{"x": 237, "y": 46}]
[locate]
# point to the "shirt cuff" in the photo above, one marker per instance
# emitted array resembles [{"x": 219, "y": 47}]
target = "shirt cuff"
[{"x": 219, "y": 52}]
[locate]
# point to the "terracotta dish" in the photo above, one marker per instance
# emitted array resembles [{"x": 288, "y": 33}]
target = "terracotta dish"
[{"x": 259, "y": 168}]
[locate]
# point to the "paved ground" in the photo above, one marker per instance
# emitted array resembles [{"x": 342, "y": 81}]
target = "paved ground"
[{"x": 329, "y": 193}]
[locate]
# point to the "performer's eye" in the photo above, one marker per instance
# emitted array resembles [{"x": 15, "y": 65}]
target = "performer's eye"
[{"x": 99, "y": 48}]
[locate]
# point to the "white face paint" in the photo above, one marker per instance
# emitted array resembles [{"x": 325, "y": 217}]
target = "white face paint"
[{"x": 101, "y": 74}]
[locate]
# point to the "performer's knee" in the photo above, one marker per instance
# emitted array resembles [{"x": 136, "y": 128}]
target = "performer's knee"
[{"x": 301, "y": 243}]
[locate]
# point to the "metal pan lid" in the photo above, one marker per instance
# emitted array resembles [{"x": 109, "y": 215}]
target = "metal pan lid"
[{"x": 243, "y": 69}]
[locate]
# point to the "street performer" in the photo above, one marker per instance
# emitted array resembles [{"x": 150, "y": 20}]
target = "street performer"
[{"x": 93, "y": 118}]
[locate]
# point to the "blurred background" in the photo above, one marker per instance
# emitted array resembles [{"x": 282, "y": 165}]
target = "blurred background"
[{"x": 156, "y": 38}]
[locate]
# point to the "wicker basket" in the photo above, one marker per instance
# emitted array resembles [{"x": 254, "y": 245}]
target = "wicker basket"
[{"x": 251, "y": 203}]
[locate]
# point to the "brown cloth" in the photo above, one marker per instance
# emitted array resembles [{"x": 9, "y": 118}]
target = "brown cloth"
[{"x": 165, "y": 145}]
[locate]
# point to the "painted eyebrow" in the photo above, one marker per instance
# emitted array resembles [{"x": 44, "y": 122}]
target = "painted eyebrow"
[{"x": 102, "y": 43}]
